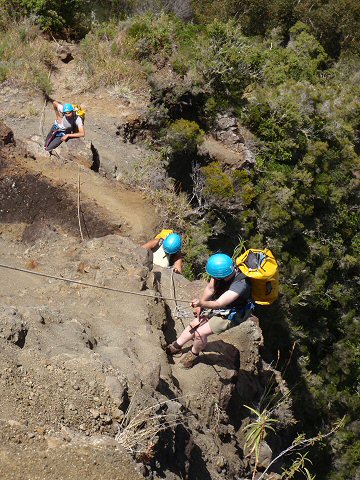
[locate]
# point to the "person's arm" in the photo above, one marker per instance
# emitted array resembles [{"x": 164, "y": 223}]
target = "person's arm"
[
  {"x": 56, "y": 105},
  {"x": 151, "y": 244},
  {"x": 223, "y": 301},
  {"x": 178, "y": 263},
  {"x": 58, "y": 111},
  {"x": 79, "y": 134},
  {"x": 206, "y": 302}
]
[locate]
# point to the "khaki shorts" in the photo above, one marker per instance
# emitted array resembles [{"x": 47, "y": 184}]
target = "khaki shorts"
[{"x": 219, "y": 324}]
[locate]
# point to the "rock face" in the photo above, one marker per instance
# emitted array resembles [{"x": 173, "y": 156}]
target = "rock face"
[
  {"x": 87, "y": 389},
  {"x": 227, "y": 144},
  {"x": 64, "y": 53},
  {"x": 76, "y": 150}
]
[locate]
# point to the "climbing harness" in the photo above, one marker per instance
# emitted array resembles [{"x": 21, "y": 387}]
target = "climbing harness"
[{"x": 55, "y": 133}]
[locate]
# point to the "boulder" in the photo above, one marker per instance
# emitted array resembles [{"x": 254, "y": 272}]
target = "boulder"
[
  {"x": 228, "y": 143},
  {"x": 76, "y": 149},
  {"x": 216, "y": 151}
]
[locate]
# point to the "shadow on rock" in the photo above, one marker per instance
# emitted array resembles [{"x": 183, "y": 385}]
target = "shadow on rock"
[{"x": 221, "y": 354}]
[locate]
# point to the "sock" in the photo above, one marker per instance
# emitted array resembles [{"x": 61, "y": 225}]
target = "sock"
[{"x": 176, "y": 345}]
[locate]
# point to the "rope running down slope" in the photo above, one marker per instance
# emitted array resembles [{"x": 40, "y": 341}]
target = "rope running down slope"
[{"x": 85, "y": 284}]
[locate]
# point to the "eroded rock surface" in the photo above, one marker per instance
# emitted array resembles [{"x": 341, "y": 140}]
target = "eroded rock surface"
[{"x": 87, "y": 388}]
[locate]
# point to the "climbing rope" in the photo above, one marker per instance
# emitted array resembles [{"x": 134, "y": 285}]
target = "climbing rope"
[
  {"x": 78, "y": 205},
  {"x": 42, "y": 117},
  {"x": 85, "y": 284}
]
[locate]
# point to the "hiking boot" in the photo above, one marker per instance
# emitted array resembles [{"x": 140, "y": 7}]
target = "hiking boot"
[
  {"x": 173, "y": 350},
  {"x": 189, "y": 360}
]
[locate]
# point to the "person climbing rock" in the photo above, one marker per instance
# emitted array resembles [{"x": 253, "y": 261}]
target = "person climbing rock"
[
  {"x": 67, "y": 125},
  {"x": 225, "y": 303},
  {"x": 166, "y": 250}
]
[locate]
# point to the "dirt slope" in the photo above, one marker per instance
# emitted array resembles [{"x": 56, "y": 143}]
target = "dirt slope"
[
  {"x": 78, "y": 364},
  {"x": 24, "y": 113}
]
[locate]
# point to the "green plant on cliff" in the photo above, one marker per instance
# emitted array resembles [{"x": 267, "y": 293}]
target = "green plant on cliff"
[
  {"x": 218, "y": 185},
  {"x": 256, "y": 433},
  {"x": 184, "y": 135}
]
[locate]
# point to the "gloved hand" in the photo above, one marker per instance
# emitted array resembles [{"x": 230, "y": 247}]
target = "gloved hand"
[{"x": 48, "y": 98}]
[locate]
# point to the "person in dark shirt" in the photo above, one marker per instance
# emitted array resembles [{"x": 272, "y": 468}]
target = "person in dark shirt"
[{"x": 225, "y": 303}]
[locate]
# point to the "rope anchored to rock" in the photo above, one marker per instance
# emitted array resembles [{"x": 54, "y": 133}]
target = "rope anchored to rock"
[{"x": 86, "y": 284}]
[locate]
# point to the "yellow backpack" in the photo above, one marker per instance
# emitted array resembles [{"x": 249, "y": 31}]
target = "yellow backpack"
[
  {"x": 80, "y": 111},
  {"x": 164, "y": 233},
  {"x": 262, "y": 269}
]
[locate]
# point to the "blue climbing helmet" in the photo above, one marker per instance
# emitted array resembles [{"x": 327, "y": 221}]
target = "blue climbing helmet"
[
  {"x": 68, "y": 108},
  {"x": 172, "y": 243},
  {"x": 219, "y": 265}
]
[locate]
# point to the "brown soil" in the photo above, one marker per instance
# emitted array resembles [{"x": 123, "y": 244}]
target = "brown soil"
[{"x": 47, "y": 189}]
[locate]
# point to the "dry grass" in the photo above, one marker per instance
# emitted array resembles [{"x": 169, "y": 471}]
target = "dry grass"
[
  {"x": 140, "y": 428},
  {"x": 26, "y": 56},
  {"x": 173, "y": 207},
  {"x": 105, "y": 64}
]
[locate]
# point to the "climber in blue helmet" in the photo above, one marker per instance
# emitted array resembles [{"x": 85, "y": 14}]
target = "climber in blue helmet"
[
  {"x": 166, "y": 250},
  {"x": 67, "y": 125},
  {"x": 225, "y": 303}
]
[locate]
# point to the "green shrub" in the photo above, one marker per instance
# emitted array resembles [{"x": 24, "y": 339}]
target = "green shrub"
[
  {"x": 149, "y": 35},
  {"x": 217, "y": 183},
  {"x": 184, "y": 136},
  {"x": 195, "y": 249}
]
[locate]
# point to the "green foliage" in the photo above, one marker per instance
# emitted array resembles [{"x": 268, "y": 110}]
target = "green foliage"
[
  {"x": 184, "y": 135},
  {"x": 257, "y": 432},
  {"x": 151, "y": 35},
  {"x": 195, "y": 249},
  {"x": 303, "y": 59},
  {"x": 335, "y": 23},
  {"x": 298, "y": 465},
  {"x": 217, "y": 184},
  {"x": 243, "y": 186},
  {"x": 67, "y": 17},
  {"x": 226, "y": 60}
]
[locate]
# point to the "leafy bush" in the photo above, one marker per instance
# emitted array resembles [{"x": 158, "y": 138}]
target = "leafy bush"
[
  {"x": 67, "y": 18},
  {"x": 184, "y": 135},
  {"x": 217, "y": 184}
]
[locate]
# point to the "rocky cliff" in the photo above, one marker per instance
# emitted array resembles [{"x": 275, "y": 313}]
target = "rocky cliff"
[{"x": 87, "y": 389}]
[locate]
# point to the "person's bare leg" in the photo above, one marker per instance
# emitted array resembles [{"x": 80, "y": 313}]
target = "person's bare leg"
[
  {"x": 200, "y": 341},
  {"x": 201, "y": 338},
  {"x": 186, "y": 336},
  {"x": 199, "y": 335}
]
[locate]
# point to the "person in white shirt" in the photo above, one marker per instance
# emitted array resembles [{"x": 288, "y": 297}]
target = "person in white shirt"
[
  {"x": 166, "y": 252},
  {"x": 67, "y": 125}
]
